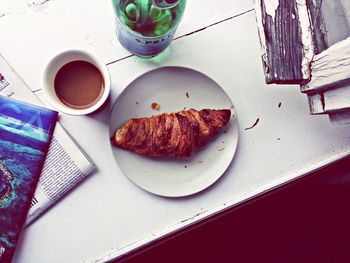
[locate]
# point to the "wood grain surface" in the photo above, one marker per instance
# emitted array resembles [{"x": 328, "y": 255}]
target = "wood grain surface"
[{"x": 286, "y": 40}]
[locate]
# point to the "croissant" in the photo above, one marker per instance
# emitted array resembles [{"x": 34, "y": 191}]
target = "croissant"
[{"x": 175, "y": 135}]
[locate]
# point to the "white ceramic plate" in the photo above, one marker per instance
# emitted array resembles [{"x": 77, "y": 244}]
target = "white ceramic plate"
[{"x": 169, "y": 86}]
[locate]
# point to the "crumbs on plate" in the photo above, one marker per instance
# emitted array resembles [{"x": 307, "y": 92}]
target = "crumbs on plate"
[{"x": 155, "y": 106}]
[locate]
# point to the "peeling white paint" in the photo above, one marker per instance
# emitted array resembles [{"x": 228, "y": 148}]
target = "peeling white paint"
[
  {"x": 329, "y": 67},
  {"x": 306, "y": 38},
  {"x": 271, "y": 7}
]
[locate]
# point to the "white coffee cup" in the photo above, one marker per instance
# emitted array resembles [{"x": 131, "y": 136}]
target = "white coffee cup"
[{"x": 57, "y": 63}]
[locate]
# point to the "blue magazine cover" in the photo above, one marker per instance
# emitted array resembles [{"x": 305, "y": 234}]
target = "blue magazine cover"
[{"x": 25, "y": 134}]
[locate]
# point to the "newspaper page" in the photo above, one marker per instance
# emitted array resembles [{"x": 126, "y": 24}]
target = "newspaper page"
[{"x": 65, "y": 165}]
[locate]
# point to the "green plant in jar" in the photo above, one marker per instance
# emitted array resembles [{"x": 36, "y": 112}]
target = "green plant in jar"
[{"x": 146, "y": 27}]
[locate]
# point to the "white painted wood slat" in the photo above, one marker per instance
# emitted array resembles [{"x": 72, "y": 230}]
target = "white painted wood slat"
[
  {"x": 340, "y": 118},
  {"x": 330, "y": 67},
  {"x": 328, "y": 91},
  {"x": 337, "y": 99},
  {"x": 316, "y": 103},
  {"x": 330, "y": 101}
]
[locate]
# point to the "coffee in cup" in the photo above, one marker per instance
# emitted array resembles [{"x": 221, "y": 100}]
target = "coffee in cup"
[{"x": 76, "y": 82}]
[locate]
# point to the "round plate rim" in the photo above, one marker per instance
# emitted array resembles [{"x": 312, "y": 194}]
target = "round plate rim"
[{"x": 220, "y": 174}]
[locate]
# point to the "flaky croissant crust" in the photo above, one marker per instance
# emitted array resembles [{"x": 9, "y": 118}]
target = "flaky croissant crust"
[{"x": 175, "y": 135}]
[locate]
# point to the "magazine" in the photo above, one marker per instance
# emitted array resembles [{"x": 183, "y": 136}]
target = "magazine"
[
  {"x": 25, "y": 135},
  {"x": 66, "y": 164}
]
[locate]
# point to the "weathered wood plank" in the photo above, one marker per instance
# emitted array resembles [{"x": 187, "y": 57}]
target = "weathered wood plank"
[
  {"x": 330, "y": 101},
  {"x": 330, "y": 24},
  {"x": 330, "y": 21},
  {"x": 316, "y": 103},
  {"x": 337, "y": 99},
  {"x": 286, "y": 40},
  {"x": 330, "y": 68}
]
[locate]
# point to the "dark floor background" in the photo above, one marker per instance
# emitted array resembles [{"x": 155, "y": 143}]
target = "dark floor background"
[{"x": 308, "y": 221}]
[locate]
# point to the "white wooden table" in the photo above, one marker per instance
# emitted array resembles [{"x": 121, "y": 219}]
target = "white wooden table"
[{"x": 107, "y": 215}]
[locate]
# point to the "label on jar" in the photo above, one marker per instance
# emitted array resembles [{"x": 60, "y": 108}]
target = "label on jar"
[{"x": 143, "y": 46}]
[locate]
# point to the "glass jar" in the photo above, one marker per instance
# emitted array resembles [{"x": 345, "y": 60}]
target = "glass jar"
[{"x": 147, "y": 27}]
